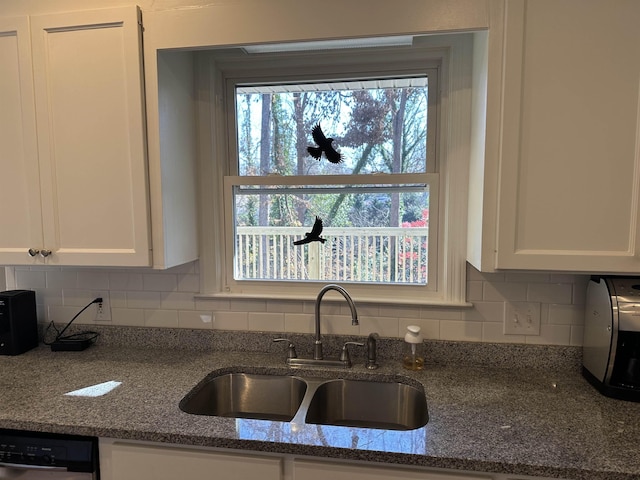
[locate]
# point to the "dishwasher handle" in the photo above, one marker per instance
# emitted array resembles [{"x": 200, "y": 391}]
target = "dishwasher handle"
[{"x": 15, "y": 470}]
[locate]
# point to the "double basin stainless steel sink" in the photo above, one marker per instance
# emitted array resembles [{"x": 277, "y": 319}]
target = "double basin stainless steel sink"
[{"x": 383, "y": 402}]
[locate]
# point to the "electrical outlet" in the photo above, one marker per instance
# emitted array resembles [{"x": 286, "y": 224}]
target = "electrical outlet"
[
  {"x": 521, "y": 318},
  {"x": 103, "y": 310}
]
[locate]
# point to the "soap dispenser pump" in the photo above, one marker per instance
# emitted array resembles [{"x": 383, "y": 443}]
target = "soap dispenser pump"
[{"x": 413, "y": 355}]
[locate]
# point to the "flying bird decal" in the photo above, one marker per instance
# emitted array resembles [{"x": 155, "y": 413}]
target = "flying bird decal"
[
  {"x": 324, "y": 145},
  {"x": 313, "y": 235}
]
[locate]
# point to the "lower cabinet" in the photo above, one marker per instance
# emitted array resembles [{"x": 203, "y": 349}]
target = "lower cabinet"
[
  {"x": 316, "y": 470},
  {"x": 129, "y": 461}
]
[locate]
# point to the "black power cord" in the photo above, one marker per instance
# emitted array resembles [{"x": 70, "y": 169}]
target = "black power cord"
[{"x": 76, "y": 341}]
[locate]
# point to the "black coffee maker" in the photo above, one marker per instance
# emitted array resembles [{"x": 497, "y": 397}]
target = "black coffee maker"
[
  {"x": 18, "y": 322},
  {"x": 611, "y": 346}
]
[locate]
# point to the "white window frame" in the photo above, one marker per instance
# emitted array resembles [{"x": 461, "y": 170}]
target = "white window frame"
[{"x": 453, "y": 54}]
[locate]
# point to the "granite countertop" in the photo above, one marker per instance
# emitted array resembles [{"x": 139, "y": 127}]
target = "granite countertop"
[{"x": 500, "y": 420}]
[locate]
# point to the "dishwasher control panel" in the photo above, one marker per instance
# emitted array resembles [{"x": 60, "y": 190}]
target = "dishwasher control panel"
[
  {"x": 30, "y": 454},
  {"x": 71, "y": 452}
]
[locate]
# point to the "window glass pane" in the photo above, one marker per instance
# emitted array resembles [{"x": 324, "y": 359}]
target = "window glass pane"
[
  {"x": 377, "y": 126},
  {"x": 371, "y": 233}
]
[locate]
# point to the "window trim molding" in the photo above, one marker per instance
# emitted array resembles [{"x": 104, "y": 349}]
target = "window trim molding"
[{"x": 455, "y": 53}]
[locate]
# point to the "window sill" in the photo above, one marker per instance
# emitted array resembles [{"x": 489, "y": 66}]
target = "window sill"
[{"x": 426, "y": 302}]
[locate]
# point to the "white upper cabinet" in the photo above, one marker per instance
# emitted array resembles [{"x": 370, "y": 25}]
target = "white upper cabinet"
[
  {"x": 76, "y": 187},
  {"x": 559, "y": 188},
  {"x": 21, "y": 224},
  {"x": 91, "y": 137}
]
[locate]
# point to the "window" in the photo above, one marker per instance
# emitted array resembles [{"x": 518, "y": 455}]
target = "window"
[{"x": 379, "y": 203}]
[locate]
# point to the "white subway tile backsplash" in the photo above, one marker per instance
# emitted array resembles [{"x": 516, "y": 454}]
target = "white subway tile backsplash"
[
  {"x": 474, "y": 290},
  {"x": 195, "y": 319},
  {"x": 562, "y": 278},
  {"x": 525, "y": 277},
  {"x": 551, "y": 335},
  {"x": 48, "y": 296},
  {"x": 214, "y": 304},
  {"x": 577, "y": 332},
  {"x": 299, "y": 323},
  {"x": 30, "y": 279},
  {"x": 244, "y": 305},
  {"x": 78, "y": 298},
  {"x": 473, "y": 274},
  {"x": 161, "y": 318},
  {"x": 493, "y": 332},
  {"x": 503, "y": 291},
  {"x": 326, "y": 308},
  {"x": 384, "y": 326},
  {"x": 566, "y": 314},
  {"x": 366, "y": 310},
  {"x": 266, "y": 322},
  {"x": 129, "y": 317},
  {"x": 282, "y": 306},
  {"x": 62, "y": 279},
  {"x": 177, "y": 301},
  {"x": 187, "y": 268},
  {"x": 118, "y": 299},
  {"x": 485, "y": 312},
  {"x": 231, "y": 321},
  {"x": 159, "y": 282},
  {"x": 461, "y": 330},
  {"x": 339, "y": 325},
  {"x": 62, "y": 315},
  {"x": 580, "y": 289},
  {"x": 141, "y": 297},
  {"x": 125, "y": 281},
  {"x": 188, "y": 282},
  {"x": 93, "y": 280},
  {"x": 550, "y": 293},
  {"x": 395, "y": 311},
  {"x": 435, "y": 313}
]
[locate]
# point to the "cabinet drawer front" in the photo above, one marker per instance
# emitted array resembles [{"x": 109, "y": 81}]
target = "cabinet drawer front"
[{"x": 136, "y": 462}]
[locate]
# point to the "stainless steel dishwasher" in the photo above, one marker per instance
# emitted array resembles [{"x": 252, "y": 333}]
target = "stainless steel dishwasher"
[{"x": 35, "y": 455}]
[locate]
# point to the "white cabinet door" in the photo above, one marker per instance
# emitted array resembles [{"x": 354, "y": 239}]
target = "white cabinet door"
[
  {"x": 20, "y": 221},
  {"x": 123, "y": 461},
  {"x": 312, "y": 470},
  {"x": 91, "y": 137},
  {"x": 568, "y": 134}
]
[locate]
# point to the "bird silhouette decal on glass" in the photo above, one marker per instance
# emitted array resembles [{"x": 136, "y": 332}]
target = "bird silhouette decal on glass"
[
  {"x": 313, "y": 235},
  {"x": 324, "y": 145}
]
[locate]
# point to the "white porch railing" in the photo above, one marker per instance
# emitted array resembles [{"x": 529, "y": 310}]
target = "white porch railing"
[{"x": 387, "y": 255}]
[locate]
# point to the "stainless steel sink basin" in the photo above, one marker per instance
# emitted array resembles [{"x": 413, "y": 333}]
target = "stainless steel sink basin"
[
  {"x": 382, "y": 403},
  {"x": 356, "y": 403},
  {"x": 243, "y": 395}
]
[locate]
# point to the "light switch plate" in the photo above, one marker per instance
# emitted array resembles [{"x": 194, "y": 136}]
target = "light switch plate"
[{"x": 521, "y": 318}]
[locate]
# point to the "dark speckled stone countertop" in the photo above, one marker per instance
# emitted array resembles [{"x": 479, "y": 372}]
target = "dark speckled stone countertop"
[{"x": 501, "y": 420}]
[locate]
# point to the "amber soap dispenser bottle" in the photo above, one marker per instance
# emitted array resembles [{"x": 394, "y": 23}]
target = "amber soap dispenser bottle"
[{"x": 413, "y": 354}]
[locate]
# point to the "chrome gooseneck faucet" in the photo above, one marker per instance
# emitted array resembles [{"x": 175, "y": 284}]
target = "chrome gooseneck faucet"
[
  {"x": 317, "y": 349},
  {"x": 318, "y": 359}
]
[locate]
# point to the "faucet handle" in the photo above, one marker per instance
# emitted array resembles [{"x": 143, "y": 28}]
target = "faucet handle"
[
  {"x": 291, "y": 351},
  {"x": 344, "y": 355}
]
